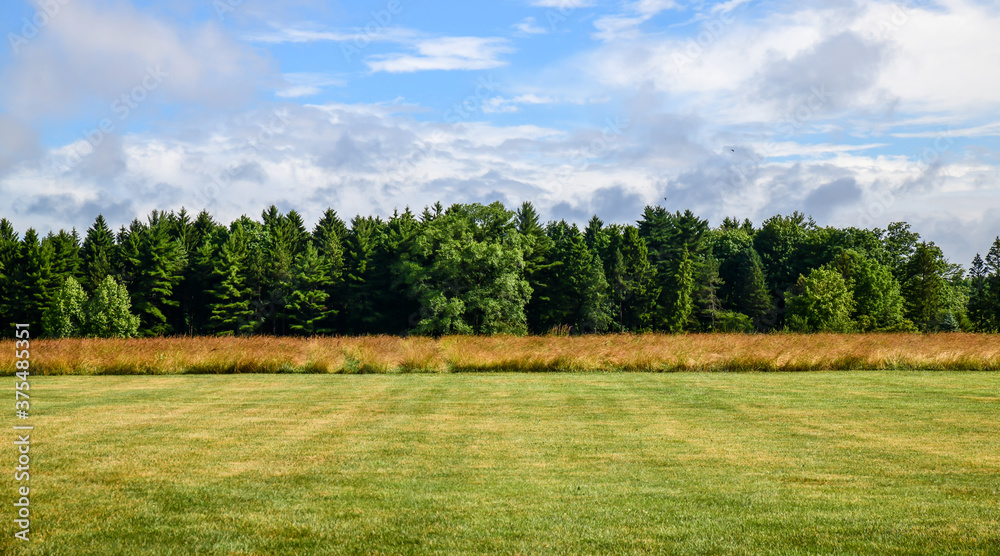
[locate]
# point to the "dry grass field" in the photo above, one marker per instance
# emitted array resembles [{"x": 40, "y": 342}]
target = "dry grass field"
[{"x": 390, "y": 354}]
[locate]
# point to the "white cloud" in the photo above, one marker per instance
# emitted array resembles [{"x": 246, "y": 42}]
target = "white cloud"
[
  {"x": 92, "y": 53},
  {"x": 446, "y": 53},
  {"x": 528, "y": 26},
  {"x": 311, "y": 33},
  {"x": 306, "y": 84},
  {"x": 501, "y": 105}
]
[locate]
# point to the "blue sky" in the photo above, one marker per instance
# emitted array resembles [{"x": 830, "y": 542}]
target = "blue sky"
[{"x": 858, "y": 112}]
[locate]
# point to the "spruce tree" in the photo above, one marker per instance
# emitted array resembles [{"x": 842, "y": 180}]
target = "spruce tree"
[
  {"x": 752, "y": 297},
  {"x": 158, "y": 261},
  {"x": 308, "y": 306},
  {"x": 231, "y": 311},
  {"x": 9, "y": 244},
  {"x": 539, "y": 264},
  {"x": 97, "y": 254},
  {"x": 980, "y": 301},
  {"x": 31, "y": 280},
  {"x": 639, "y": 277}
]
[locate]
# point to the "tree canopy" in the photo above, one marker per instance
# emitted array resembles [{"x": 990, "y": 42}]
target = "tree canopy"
[{"x": 486, "y": 269}]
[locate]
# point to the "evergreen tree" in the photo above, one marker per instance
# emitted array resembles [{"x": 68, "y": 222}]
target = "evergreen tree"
[
  {"x": 980, "y": 301},
  {"x": 158, "y": 261},
  {"x": 595, "y": 309},
  {"x": 9, "y": 245},
  {"x": 925, "y": 287},
  {"x": 752, "y": 297},
  {"x": 992, "y": 285},
  {"x": 708, "y": 304},
  {"x": 65, "y": 250},
  {"x": 97, "y": 254},
  {"x": 31, "y": 285},
  {"x": 329, "y": 238},
  {"x": 108, "y": 313},
  {"x": 680, "y": 295},
  {"x": 361, "y": 316},
  {"x": 539, "y": 265},
  {"x": 308, "y": 307},
  {"x": 576, "y": 298},
  {"x": 639, "y": 278},
  {"x": 65, "y": 317},
  {"x": 231, "y": 311}
]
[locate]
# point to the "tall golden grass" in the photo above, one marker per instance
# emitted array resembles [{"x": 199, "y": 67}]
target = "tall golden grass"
[{"x": 390, "y": 354}]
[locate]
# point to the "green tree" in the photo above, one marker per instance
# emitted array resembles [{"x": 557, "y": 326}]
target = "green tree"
[
  {"x": 97, "y": 254},
  {"x": 925, "y": 289},
  {"x": 65, "y": 317},
  {"x": 992, "y": 284},
  {"x": 9, "y": 245},
  {"x": 900, "y": 244},
  {"x": 31, "y": 286},
  {"x": 637, "y": 299},
  {"x": 157, "y": 261},
  {"x": 751, "y": 293},
  {"x": 708, "y": 305},
  {"x": 876, "y": 293},
  {"x": 465, "y": 268},
  {"x": 231, "y": 295},
  {"x": 820, "y": 302},
  {"x": 308, "y": 306},
  {"x": 109, "y": 312},
  {"x": 540, "y": 266},
  {"x": 680, "y": 295},
  {"x": 981, "y": 303},
  {"x": 577, "y": 297}
]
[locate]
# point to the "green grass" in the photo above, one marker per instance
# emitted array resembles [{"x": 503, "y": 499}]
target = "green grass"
[{"x": 686, "y": 463}]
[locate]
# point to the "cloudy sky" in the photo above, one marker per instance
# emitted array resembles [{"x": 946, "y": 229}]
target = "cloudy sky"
[{"x": 856, "y": 112}]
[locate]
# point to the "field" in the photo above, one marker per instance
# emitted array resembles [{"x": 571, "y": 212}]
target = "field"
[
  {"x": 390, "y": 354},
  {"x": 567, "y": 463}
]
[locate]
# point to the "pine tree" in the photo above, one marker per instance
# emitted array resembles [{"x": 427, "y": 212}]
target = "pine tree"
[
  {"x": 641, "y": 291},
  {"x": 97, "y": 254},
  {"x": 595, "y": 309},
  {"x": 361, "y": 315},
  {"x": 539, "y": 264},
  {"x": 980, "y": 301},
  {"x": 753, "y": 299},
  {"x": 328, "y": 237},
  {"x": 992, "y": 285},
  {"x": 925, "y": 288},
  {"x": 158, "y": 261},
  {"x": 198, "y": 236},
  {"x": 231, "y": 311},
  {"x": 680, "y": 295},
  {"x": 9, "y": 244},
  {"x": 707, "y": 302},
  {"x": 65, "y": 249},
  {"x": 31, "y": 280},
  {"x": 308, "y": 306}
]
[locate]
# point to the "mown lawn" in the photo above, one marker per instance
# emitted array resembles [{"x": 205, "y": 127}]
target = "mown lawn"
[{"x": 685, "y": 463}]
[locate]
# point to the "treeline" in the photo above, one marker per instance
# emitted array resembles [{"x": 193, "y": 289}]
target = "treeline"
[{"x": 484, "y": 269}]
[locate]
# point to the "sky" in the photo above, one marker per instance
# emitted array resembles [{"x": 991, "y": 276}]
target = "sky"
[{"x": 856, "y": 112}]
